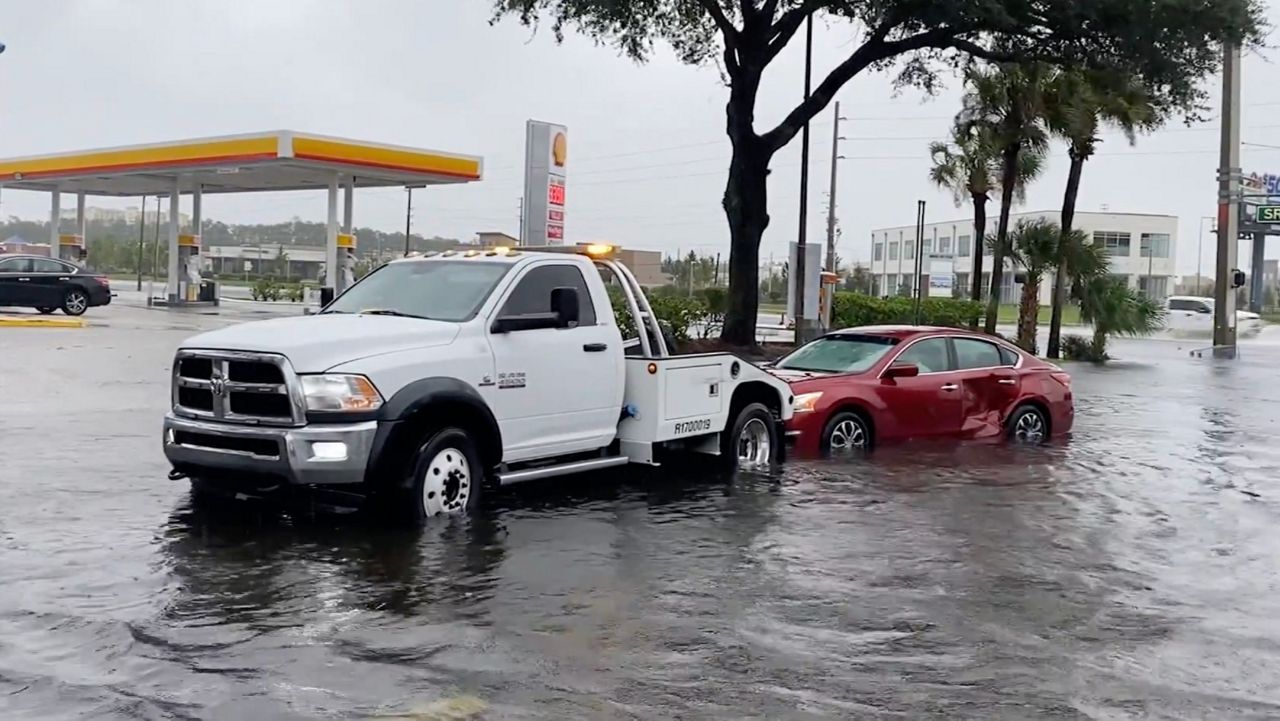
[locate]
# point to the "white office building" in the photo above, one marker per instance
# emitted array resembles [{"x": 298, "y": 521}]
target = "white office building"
[{"x": 1141, "y": 248}]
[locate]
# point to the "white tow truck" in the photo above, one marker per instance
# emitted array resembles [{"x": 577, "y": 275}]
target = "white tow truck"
[{"x": 436, "y": 376}]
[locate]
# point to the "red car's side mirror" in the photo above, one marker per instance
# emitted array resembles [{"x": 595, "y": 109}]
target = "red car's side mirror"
[{"x": 902, "y": 370}]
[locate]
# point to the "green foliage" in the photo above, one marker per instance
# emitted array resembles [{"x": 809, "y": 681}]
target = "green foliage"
[
  {"x": 271, "y": 289},
  {"x": 1114, "y": 308},
  {"x": 266, "y": 289},
  {"x": 677, "y": 312},
  {"x": 855, "y": 309},
  {"x": 1079, "y": 348}
]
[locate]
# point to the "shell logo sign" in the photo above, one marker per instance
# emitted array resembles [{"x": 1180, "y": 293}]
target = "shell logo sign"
[
  {"x": 559, "y": 150},
  {"x": 546, "y": 159}
]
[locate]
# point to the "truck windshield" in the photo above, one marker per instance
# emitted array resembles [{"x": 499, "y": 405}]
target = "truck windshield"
[
  {"x": 448, "y": 290},
  {"x": 845, "y": 353}
]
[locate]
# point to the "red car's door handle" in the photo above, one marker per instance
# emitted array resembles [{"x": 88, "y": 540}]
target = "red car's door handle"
[
  {"x": 950, "y": 387},
  {"x": 1008, "y": 381}
]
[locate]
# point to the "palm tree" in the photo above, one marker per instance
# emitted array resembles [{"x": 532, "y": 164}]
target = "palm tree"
[
  {"x": 1033, "y": 245},
  {"x": 1079, "y": 103},
  {"x": 1114, "y": 308},
  {"x": 1010, "y": 100},
  {"x": 969, "y": 167},
  {"x": 1036, "y": 246}
]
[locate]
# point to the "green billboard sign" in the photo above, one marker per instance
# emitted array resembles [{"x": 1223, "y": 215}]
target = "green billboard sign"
[{"x": 1267, "y": 214}]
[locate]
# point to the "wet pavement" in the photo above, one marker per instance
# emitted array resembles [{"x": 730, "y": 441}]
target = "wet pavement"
[{"x": 1132, "y": 571}]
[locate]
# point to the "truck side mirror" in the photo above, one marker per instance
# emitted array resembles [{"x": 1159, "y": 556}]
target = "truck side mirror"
[{"x": 564, "y": 303}]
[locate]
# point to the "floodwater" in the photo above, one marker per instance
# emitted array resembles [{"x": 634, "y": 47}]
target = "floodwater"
[{"x": 1132, "y": 571}]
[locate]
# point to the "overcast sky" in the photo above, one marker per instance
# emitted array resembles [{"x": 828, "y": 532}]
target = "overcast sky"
[{"x": 647, "y": 157}]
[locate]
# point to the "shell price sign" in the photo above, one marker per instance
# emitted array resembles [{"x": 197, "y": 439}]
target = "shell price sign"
[{"x": 546, "y": 159}]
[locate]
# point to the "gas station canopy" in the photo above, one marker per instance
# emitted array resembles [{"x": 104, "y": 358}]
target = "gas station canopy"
[{"x": 272, "y": 161}]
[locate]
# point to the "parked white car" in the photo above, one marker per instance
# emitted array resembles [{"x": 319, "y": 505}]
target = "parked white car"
[{"x": 1193, "y": 315}]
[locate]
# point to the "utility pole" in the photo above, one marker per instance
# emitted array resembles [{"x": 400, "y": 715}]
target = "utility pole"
[
  {"x": 520, "y": 227},
  {"x": 1224, "y": 306},
  {"x": 800, "y": 335},
  {"x": 919, "y": 258},
  {"x": 142, "y": 239},
  {"x": 831, "y": 202},
  {"x": 408, "y": 216}
]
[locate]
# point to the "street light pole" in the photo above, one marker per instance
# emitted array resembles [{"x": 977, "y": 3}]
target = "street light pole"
[{"x": 800, "y": 284}]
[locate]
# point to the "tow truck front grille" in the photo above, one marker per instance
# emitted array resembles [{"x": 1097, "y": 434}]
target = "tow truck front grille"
[{"x": 248, "y": 388}]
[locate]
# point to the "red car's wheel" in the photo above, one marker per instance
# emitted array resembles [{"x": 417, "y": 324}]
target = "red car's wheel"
[
  {"x": 846, "y": 432},
  {"x": 1028, "y": 424}
]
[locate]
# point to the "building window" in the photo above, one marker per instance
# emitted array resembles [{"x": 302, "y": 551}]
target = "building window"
[
  {"x": 879, "y": 252},
  {"x": 927, "y": 245},
  {"x": 893, "y": 251},
  {"x": 962, "y": 285},
  {"x": 962, "y": 246},
  {"x": 1114, "y": 243},
  {"x": 905, "y": 287},
  {"x": 1154, "y": 245},
  {"x": 1155, "y": 287},
  {"x": 944, "y": 246},
  {"x": 909, "y": 250},
  {"x": 891, "y": 285}
]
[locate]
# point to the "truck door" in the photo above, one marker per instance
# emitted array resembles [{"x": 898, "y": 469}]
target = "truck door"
[{"x": 557, "y": 390}]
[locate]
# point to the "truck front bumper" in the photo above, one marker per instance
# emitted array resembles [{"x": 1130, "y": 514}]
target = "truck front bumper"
[{"x": 318, "y": 454}]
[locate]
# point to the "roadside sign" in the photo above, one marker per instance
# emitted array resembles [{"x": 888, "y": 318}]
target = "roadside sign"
[{"x": 1267, "y": 214}]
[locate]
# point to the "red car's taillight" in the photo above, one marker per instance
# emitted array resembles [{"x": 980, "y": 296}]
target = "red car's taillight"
[{"x": 1063, "y": 378}]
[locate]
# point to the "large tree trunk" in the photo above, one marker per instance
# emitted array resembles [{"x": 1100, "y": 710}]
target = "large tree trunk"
[
  {"x": 1008, "y": 181},
  {"x": 979, "y": 240},
  {"x": 746, "y": 207},
  {"x": 1028, "y": 313},
  {"x": 1060, "y": 276}
]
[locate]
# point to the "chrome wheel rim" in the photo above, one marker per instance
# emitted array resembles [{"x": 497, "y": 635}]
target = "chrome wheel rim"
[
  {"x": 446, "y": 485},
  {"x": 848, "y": 435},
  {"x": 754, "y": 446},
  {"x": 77, "y": 303},
  {"x": 1029, "y": 428}
]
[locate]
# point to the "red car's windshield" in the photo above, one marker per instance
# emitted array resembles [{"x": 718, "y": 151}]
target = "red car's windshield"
[{"x": 846, "y": 353}]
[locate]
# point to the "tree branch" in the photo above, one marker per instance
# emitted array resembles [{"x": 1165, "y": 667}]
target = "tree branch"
[
  {"x": 787, "y": 26},
  {"x": 873, "y": 50},
  {"x": 722, "y": 21}
]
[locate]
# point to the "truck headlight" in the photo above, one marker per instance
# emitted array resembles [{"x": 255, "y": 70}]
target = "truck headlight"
[
  {"x": 806, "y": 401},
  {"x": 339, "y": 392}
]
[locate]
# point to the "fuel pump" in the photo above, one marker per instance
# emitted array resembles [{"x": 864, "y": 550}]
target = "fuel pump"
[
  {"x": 346, "y": 261},
  {"x": 71, "y": 248},
  {"x": 188, "y": 267}
]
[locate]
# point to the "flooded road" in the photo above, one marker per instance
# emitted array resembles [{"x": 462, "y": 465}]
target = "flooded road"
[{"x": 1132, "y": 571}]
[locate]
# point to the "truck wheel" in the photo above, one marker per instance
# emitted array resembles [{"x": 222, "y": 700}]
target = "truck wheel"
[
  {"x": 447, "y": 475},
  {"x": 752, "y": 440}
]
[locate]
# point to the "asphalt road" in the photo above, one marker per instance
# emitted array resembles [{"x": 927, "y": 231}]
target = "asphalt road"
[{"x": 1130, "y": 572}]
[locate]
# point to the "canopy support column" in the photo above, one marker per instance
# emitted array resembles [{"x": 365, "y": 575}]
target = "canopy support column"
[
  {"x": 171, "y": 282},
  {"x": 331, "y": 238},
  {"x": 55, "y": 220},
  {"x": 82, "y": 226}
]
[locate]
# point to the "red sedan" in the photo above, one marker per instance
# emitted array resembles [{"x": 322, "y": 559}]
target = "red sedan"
[{"x": 862, "y": 386}]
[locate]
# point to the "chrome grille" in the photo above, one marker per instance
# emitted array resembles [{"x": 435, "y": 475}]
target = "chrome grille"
[{"x": 237, "y": 387}]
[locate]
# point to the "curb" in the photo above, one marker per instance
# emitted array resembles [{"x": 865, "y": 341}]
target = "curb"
[{"x": 8, "y": 321}]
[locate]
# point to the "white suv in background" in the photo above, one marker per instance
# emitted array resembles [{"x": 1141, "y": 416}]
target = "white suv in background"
[{"x": 1193, "y": 315}]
